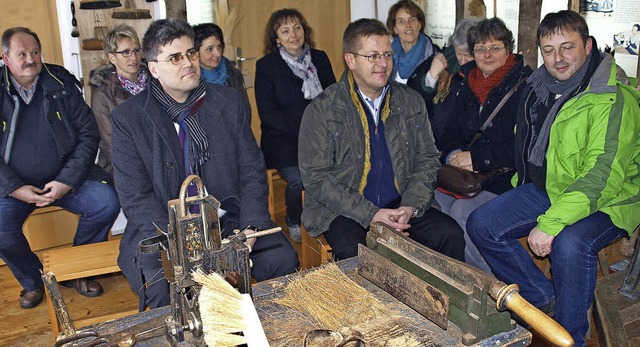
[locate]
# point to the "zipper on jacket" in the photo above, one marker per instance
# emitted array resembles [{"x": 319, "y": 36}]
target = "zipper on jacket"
[
  {"x": 379, "y": 165},
  {"x": 526, "y": 136}
]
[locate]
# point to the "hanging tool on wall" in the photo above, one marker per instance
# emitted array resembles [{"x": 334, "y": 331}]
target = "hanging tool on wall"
[
  {"x": 74, "y": 22},
  {"x": 99, "y": 4},
  {"x": 131, "y": 11}
]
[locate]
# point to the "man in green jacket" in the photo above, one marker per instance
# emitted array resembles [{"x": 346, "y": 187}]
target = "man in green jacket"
[
  {"x": 578, "y": 147},
  {"x": 367, "y": 154}
]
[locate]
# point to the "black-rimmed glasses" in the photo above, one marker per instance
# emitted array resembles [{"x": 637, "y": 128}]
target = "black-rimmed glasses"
[
  {"x": 375, "y": 57},
  {"x": 176, "y": 58},
  {"x": 127, "y": 52}
]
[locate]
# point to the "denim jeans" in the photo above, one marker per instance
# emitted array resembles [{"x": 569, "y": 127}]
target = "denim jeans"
[
  {"x": 459, "y": 210},
  {"x": 95, "y": 202},
  {"x": 495, "y": 228},
  {"x": 292, "y": 194}
]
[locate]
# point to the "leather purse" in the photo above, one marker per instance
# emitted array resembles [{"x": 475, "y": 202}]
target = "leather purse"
[{"x": 465, "y": 184}]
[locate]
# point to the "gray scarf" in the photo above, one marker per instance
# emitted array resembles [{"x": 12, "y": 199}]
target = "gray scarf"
[
  {"x": 303, "y": 68},
  {"x": 543, "y": 85}
]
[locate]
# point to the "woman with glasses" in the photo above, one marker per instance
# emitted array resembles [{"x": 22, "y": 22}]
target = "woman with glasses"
[
  {"x": 478, "y": 88},
  {"x": 288, "y": 77},
  {"x": 410, "y": 45},
  {"x": 114, "y": 83},
  {"x": 435, "y": 75},
  {"x": 214, "y": 67}
]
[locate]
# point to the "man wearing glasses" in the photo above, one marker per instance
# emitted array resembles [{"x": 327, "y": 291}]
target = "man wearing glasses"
[
  {"x": 181, "y": 125},
  {"x": 48, "y": 144},
  {"x": 367, "y": 154}
]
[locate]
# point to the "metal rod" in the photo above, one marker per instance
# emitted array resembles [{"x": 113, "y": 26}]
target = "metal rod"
[{"x": 243, "y": 237}]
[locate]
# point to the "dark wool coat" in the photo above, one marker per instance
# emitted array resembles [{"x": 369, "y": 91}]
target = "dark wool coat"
[
  {"x": 149, "y": 170},
  {"x": 281, "y": 104},
  {"x": 496, "y": 147}
]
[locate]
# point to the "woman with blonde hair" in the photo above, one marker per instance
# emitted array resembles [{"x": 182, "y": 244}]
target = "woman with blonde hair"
[{"x": 114, "y": 83}]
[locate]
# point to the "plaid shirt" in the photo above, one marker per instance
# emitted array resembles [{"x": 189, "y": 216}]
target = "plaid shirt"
[{"x": 25, "y": 93}]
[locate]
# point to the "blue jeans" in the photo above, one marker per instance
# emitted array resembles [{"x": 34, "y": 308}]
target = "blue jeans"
[
  {"x": 459, "y": 210},
  {"x": 292, "y": 194},
  {"x": 495, "y": 228},
  {"x": 95, "y": 202}
]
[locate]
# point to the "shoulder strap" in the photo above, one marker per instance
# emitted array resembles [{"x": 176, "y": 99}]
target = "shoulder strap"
[{"x": 495, "y": 112}]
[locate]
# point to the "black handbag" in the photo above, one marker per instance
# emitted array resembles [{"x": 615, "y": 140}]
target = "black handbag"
[{"x": 465, "y": 184}]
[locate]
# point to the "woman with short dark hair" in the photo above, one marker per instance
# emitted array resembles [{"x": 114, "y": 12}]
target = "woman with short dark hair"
[
  {"x": 214, "y": 66},
  {"x": 479, "y": 87}
]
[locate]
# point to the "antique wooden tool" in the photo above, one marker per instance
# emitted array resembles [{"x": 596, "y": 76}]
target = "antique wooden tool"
[
  {"x": 443, "y": 289},
  {"x": 193, "y": 242}
]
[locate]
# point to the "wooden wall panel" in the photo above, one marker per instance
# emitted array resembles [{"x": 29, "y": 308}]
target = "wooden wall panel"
[{"x": 42, "y": 18}]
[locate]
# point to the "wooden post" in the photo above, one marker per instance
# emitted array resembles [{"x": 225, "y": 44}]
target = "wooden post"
[
  {"x": 177, "y": 9},
  {"x": 527, "y": 28},
  {"x": 459, "y": 11}
]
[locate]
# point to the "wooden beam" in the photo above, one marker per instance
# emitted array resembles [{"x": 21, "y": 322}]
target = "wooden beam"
[
  {"x": 177, "y": 9},
  {"x": 527, "y": 28},
  {"x": 574, "y": 5}
]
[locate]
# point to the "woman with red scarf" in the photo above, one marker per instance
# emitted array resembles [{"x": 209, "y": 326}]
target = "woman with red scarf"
[{"x": 478, "y": 88}]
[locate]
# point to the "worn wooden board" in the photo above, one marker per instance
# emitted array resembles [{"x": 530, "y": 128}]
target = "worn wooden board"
[
  {"x": 415, "y": 293},
  {"x": 617, "y": 317},
  {"x": 285, "y": 327}
]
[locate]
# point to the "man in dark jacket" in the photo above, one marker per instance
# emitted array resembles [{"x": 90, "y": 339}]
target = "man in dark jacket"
[
  {"x": 369, "y": 155},
  {"x": 181, "y": 125},
  {"x": 48, "y": 145}
]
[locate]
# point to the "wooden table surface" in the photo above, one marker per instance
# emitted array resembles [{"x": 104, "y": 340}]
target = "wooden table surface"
[{"x": 287, "y": 327}]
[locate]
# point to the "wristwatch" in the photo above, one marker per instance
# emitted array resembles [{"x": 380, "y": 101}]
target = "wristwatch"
[{"x": 415, "y": 211}]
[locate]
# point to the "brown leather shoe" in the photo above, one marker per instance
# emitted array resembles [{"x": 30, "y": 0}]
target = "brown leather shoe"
[
  {"x": 31, "y": 298},
  {"x": 85, "y": 286}
]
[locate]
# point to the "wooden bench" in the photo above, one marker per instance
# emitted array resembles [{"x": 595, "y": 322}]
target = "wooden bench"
[
  {"x": 71, "y": 263},
  {"x": 315, "y": 250},
  {"x": 49, "y": 227},
  {"x": 276, "y": 185}
]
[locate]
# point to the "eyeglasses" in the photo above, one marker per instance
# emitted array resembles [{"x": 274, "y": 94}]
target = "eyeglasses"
[
  {"x": 375, "y": 57},
  {"x": 403, "y": 21},
  {"x": 127, "y": 52},
  {"x": 176, "y": 58},
  {"x": 492, "y": 49}
]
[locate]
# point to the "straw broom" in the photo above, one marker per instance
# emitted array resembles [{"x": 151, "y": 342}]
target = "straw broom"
[{"x": 332, "y": 299}]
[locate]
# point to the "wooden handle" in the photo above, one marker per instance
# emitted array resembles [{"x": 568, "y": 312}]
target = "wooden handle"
[{"x": 510, "y": 298}]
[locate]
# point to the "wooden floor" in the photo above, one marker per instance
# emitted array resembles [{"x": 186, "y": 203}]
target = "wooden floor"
[{"x": 32, "y": 327}]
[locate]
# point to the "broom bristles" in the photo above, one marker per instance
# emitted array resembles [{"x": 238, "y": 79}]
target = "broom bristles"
[
  {"x": 220, "y": 310},
  {"x": 131, "y": 14},
  {"x": 131, "y": 11}
]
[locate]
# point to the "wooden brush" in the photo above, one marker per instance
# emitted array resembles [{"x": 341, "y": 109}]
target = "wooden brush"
[
  {"x": 130, "y": 11},
  {"x": 225, "y": 313}
]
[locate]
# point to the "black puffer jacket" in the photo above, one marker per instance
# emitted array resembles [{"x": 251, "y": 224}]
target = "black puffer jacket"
[{"x": 71, "y": 122}]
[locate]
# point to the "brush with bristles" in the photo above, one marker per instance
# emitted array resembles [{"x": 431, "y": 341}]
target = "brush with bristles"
[
  {"x": 225, "y": 313},
  {"x": 130, "y": 11}
]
